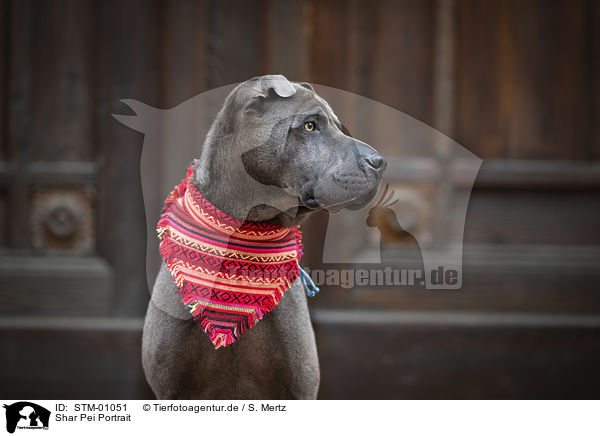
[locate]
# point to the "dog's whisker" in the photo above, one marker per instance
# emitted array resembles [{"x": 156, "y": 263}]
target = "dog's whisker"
[
  {"x": 390, "y": 200},
  {"x": 389, "y": 197},
  {"x": 382, "y": 195}
]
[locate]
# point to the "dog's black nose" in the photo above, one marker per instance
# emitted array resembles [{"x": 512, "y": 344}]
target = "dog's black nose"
[{"x": 377, "y": 162}]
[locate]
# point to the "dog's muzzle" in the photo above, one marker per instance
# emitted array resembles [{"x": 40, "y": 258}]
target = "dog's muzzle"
[{"x": 350, "y": 185}]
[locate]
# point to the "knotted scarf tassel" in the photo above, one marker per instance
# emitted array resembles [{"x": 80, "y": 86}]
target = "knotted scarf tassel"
[{"x": 309, "y": 286}]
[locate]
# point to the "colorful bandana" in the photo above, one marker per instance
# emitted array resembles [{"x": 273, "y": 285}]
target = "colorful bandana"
[{"x": 229, "y": 272}]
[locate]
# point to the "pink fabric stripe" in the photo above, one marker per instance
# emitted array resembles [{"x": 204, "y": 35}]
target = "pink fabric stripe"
[
  {"x": 288, "y": 247},
  {"x": 222, "y": 304}
]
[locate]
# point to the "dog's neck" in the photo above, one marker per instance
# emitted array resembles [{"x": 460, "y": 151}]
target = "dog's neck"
[{"x": 231, "y": 193}]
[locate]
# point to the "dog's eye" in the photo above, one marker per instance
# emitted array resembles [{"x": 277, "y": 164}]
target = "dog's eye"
[{"x": 309, "y": 126}]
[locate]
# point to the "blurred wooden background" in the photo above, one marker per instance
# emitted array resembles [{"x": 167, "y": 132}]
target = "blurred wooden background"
[{"x": 515, "y": 82}]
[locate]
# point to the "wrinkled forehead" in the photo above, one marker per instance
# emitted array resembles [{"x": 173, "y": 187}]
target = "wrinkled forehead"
[
  {"x": 303, "y": 102},
  {"x": 309, "y": 102}
]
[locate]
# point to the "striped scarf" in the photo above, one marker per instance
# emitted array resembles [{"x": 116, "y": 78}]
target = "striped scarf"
[{"x": 229, "y": 272}]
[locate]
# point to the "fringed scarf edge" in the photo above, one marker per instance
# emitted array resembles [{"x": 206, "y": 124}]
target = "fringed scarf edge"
[{"x": 218, "y": 336}]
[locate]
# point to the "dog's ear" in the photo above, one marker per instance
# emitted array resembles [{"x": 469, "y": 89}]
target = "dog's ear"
[
  {"x": 307, "y": 86},
  {"x": 278, "y": 83},
  {"x": 267, "y": 86}
]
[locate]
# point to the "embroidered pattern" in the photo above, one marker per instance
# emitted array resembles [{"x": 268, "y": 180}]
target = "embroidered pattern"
[{"x": 229, "y": 272}]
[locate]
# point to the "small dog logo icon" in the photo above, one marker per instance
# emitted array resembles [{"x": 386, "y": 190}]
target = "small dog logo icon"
[
  {"x": 27, "y": 415},
  {"x": 382, "y": 216}
]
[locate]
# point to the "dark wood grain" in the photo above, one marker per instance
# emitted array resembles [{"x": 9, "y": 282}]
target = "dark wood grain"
[
  {"x": 447, "y": 360},
  {"x": 328, "y": 44},
  {"x": 542, "y": 279},
  {"x": 55, "y": 286},
  {"x": 524, "y": 78},
  {"x": 534, "y": 217},
  {"x": 19, "y": 119},
  {"x": 285, "y": 39},
  {"x": 235, "y": 42},
  {"x": 128, "y": 67},
  {"x": 402, "y": 67},
  {"x": 185, "y": 51},
  {"x": 592, "y": 69},
  {"x": 62, "y": 84},
  {"x": 72, "y": 360},
  {"x": 4, "y": 65}
]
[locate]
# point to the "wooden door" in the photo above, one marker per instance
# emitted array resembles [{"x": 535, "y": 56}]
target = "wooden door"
[{"x": 515, "y": 82}]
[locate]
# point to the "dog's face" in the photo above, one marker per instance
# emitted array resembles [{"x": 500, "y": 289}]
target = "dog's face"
[{"x": 288, "y": 137}]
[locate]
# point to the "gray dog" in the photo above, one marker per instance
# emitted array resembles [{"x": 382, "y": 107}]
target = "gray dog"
[{"x": 275, "y": 152}]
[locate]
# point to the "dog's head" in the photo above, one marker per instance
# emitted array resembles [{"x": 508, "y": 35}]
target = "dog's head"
[{"x": 283, "y": 135}]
